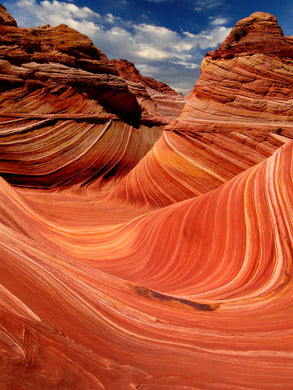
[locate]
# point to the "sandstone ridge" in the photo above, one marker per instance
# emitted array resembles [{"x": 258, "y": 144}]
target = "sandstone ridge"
[
  {"x": 258, "y": 33},
  {"x": 6, "y": 18},
  {"x": 52, "y": 56},
  {"x": 127, "y": 69},
  {"x": 239, "y": 112},
  {"x": 52, "y": 80}
]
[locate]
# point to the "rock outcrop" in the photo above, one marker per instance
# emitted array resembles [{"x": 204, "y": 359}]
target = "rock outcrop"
[
  {"x": 156, "y": 256},
  {"x": 259, "y": 33},
  {"x": 127, "y": 70},
  {"x": 168, "y": 102},
  {"x": 63, "y": 106},
  {"x": 249, "y": 78},
  {"x": 239, "y": 112},
  {"x": 5, "y": 18}
]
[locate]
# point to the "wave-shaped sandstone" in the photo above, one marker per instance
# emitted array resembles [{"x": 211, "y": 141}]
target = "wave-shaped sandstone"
[
  {"x": 239, "y": 112},
  {"x": 144, "y": 254},
  {"x": 66, "y": 115},
  {"x": 162, "y": 300}
]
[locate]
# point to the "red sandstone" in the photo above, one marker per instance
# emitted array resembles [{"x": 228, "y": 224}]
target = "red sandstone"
[{"x": 135, "y": 252}]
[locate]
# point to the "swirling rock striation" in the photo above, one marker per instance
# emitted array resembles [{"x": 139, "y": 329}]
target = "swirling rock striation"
[
  {"x": 145, "y": 257},
  {"x": 196, "y": 295},
  {"x": 66, "y": 116},
  {"x": 238, "y": 113}
]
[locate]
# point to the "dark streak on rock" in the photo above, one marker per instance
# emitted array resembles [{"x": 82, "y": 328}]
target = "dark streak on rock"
[{"x": 154, "y": 295}]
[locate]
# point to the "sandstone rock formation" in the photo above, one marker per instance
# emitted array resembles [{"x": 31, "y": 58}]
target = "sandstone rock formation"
[
  {"x": 197, "y": 294},
  {"x": 239, "y": 112},
  {"x": 6, "y": 18},
  {"x": 67, "y": 116},
  {"x": 156, "y": 256},
  {"x": 127, "y": 70},
  {"x": 168, "y": 102}
]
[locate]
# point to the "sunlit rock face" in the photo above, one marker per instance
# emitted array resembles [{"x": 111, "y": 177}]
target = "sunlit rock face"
[
  {"x": 249, "y": 76},
  {"x": 239, "y": 112},
  {"x": 145, "y": 256}
]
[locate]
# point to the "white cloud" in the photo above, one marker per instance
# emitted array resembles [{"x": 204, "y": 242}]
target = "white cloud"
[
  {"x": 110, "y": 18},
  {"x": 151, "y": 53},
  {"x": 165, "y": 53},
  {"x": 218, "y": 21},
  {"x": 149, "y": 34},
  {"x": 186, "y": 64},
  {"x": 148, "y": 69},
  {"x": 212, "y": 38},
  {"x": 30, "y": 13}
]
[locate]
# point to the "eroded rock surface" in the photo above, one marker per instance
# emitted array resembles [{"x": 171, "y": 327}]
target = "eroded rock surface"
[
  {"x": 145, "y": 257},
  {"x": 168, "y": 102},
  {"x": 67, "y": 116},
  {"x": 127, "y": 70},
  {"x": 239, "y": 112}
]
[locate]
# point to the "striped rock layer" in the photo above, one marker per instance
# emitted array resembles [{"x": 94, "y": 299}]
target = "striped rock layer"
[
  {"x": 239, "y": 112},
  {"x": 66, "y": 116},
  {"x": 138, "y": 253}
]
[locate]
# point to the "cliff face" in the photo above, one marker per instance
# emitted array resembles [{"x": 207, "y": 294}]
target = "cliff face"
[
  {"x": 168, "y": 102},
  {"x": 155, "y": 256}
]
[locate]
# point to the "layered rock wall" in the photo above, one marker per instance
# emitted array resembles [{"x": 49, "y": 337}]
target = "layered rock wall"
[{"x": 66, "y": 116}]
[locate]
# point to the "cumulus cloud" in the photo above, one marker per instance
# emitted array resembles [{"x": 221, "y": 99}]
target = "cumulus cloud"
[
  {"x": 30, "y": 13},
  {"x": 148, "y": 69},
  {"x": 110, "y": 18},
  {"x": 212, "y": 38},
  {"x": 157, "y": 51},
  {"x": 151, "y": 53}
]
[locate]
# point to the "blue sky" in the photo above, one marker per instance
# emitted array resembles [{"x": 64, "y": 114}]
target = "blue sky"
[{"x": 165, "y": 39}]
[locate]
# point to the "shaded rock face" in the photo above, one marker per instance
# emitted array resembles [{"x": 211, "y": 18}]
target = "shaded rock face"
[
  {"x": 47, "y": 57},
  {"x": 149, "y": 257},
  {"x": 53, "y": 80},
  {"x": 168, "y": 102},
  {"x": 6, "y": 18}
]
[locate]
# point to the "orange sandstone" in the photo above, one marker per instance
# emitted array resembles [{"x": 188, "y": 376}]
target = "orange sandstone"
[{"x": 136, "y": 255}]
